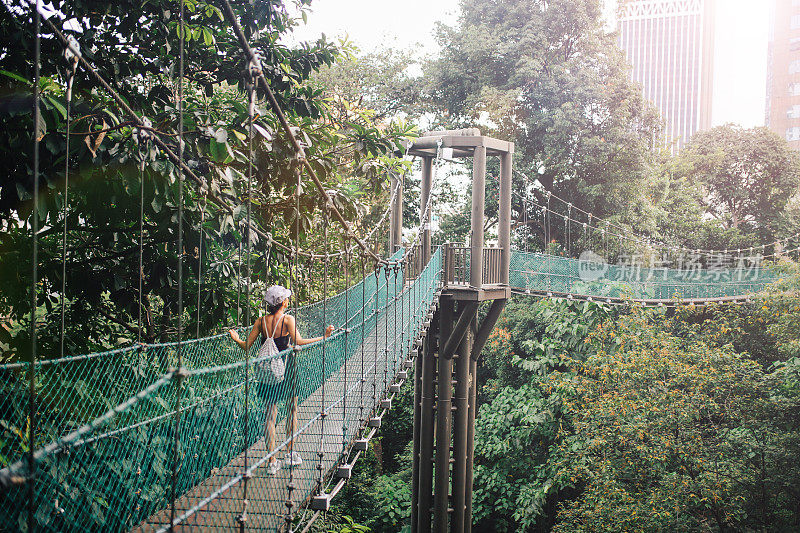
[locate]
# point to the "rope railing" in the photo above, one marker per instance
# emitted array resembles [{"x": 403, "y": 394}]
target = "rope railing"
[
  {"x": 113, "y": 470},
  {"x": 608, "y": 240},
  {"x": 621, "y": 232},
  {"x": 548, "y": 275}
]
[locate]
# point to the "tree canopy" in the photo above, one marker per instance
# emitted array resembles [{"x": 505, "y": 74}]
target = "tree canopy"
[
  {"x": 114, "y": 171},
  {"x": 546, "y": 75},
  {"x": 747, "y": 177}
]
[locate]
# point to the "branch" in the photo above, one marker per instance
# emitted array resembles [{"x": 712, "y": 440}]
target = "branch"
[{"x": 114, "y": 319}]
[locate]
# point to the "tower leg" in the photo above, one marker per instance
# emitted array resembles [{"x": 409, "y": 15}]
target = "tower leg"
[
  {"x": 460, "y": 430},
  {"x": 416, "y": 446},
  {"x": 427, "y": 420},
  {"x": 473, "y": 407},
  {"x": 444, "y": 394}
]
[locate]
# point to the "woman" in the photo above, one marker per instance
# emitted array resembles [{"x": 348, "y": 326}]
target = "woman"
[{"x": 281, "y": 328}]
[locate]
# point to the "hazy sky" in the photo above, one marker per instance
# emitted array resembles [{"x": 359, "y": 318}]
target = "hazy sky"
[{"x": 740, "y": 60}]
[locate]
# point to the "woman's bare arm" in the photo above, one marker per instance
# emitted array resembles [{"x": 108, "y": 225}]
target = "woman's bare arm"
[
  {"x": 251, "y": 338},
  {"x": 297, "y": 337}
]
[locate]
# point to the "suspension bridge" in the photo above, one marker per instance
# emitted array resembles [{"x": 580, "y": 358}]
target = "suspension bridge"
[{"x": 159, "y": 437}]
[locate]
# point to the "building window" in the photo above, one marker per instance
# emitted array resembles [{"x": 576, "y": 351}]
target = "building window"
[
  {"x": 795, "y": 22},
  {"x": 794, "y": 66},
  {"x": 795, "y": 3},
  {"x": 794, "y": 88},
  {"x": 794, "y": 112},
  {"x": 793, "y": 134}
]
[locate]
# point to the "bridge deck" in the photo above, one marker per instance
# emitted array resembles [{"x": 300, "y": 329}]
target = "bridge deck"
[{"x": 267, "y": 494}]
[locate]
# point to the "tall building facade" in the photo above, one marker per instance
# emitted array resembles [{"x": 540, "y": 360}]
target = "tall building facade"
[
  {"x": 783, "y": 71},
  {"x": 670, "y": 45}
]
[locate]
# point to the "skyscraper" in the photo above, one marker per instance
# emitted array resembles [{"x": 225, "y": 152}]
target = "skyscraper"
[
  {"x": 670, "y": 44},
  {"x": 783, "y": 71}
]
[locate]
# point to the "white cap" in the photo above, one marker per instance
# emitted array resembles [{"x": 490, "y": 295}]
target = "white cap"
[{"x": 276, "y": 294}]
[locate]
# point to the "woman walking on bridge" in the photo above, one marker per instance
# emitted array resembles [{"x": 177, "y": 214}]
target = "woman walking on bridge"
[{"x": 278, "y": 375}]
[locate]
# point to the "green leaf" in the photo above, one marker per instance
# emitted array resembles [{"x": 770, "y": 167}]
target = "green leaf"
[
  {"x": 55, "y": 103},
  {"x": 15, "y": 76},
  {"x": 218, "y": 151}
]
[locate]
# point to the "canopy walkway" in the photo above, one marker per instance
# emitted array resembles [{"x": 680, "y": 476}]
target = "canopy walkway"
[
  {"x": 158, "y": 437},
  {"x": 103, "y": 449}
]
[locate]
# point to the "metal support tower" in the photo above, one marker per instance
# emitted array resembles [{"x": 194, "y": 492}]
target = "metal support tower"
[{"x": 444, "y": 400}]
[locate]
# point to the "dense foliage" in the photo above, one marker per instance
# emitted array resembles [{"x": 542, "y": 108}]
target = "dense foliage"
[
  {"x": 114, "y": 172},
  {"x": 600, "y": 419},
  {"x": 746, "y": 178},
  {"x": 547, "y": 75}
]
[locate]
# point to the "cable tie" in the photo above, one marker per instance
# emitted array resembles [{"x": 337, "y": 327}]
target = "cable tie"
[{"x": 180, "y": 373}]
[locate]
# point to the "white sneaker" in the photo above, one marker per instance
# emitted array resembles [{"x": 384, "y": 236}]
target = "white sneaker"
[
  {"x": 273, "y": 468},
  {"x": 293, "y": 459}
]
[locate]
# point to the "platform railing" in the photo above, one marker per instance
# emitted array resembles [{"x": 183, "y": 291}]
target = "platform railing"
[{"x": 457, "y": 261}]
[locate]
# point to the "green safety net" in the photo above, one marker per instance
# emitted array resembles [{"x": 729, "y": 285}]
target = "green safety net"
[
  {"x": 105, "y": 432},
  {"x": 541, "y": 273}
]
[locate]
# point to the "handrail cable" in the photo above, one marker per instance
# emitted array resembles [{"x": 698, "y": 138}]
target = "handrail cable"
[{"x": 640, "y": 239}]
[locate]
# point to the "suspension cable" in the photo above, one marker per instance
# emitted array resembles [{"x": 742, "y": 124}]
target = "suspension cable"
[
  {"x": 200, "y": 260},
  {"x": 73, "y": 65},
  {"x": 346, "y": 265},
  {"x": 377, "y": 340},
  {"x": 322, "y": 413},
  {"x": 34, "y": 267},
  {"x": 72, "y": 58},
  {"x": 646, "y": 241},
  {"x": 386, "y": 273},
  {"x": 180, "y": 255},
  {"x": 393, "y": 312},
  {"x": 239, "y": 285},
  {"x": 143, "y": 138},
  {"x": 251, "y": 105},
  {"x": 363, "y": 339},
  {"x": 595, "y": 226},
  {"x": 296, "y": 289}
]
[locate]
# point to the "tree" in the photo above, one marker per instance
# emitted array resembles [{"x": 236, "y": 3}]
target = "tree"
[
  {"x": 381, "y": 80},
  {"x": 517, "y": 431},
  {"x": 672, "y": 433},
  {"x": 546, "y": 75},
  {"x": 681, "y": 219},
  {"x": 748, "y": 177},
  {"x": 592, "y": 420},
  {"x": 133, "y": 44}
]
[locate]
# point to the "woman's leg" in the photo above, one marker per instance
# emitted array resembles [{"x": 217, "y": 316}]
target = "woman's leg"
[
  {"x": 272, "y": 415},
  {"x": 291, "y": 394},
  {"x": 291, "y": 421}
]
